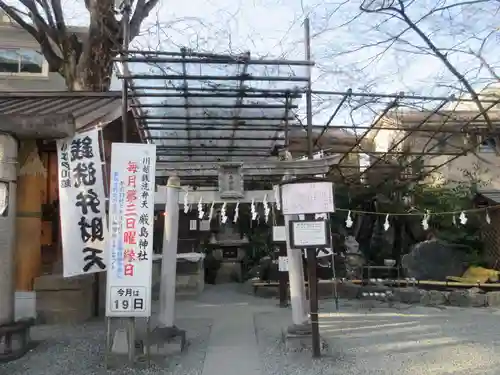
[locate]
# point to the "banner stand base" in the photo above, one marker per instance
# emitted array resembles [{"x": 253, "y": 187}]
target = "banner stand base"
[{"x": 122, "y": 339}]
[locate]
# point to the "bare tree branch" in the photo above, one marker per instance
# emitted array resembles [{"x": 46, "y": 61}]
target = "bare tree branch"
[{"x": 85, "y": 61}]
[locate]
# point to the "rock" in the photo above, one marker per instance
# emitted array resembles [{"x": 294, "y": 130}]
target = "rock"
[
  {"x": 253, "y": 272},
  {"x": 435, "y": 260},
  {"x": 409, "y": 295},
  {"x": 348, "y": 290},
  {"x": 299, "y": 342},
  {"x": 354, "y": 259},
  {"x": 433, "y": 298},
  {"x": 468, "y": 298},
  {"x": 493, "y": 299},
  {"x": 375, "y": 290}
]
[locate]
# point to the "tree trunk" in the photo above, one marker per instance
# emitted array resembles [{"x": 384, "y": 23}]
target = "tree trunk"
[{"x": 90, "y": 67}]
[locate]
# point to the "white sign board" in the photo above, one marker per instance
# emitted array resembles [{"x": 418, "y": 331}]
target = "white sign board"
[
  {"x": 204, "y": 225},
  {"x": 82, "y": 204},
  {"x": 307, "y": 198},
  {"x": 4, "y": 198},
  {"x": 131, "y": 217},
  {"x": 283, "y": 264},
  {"x": 322, "y": 252},
  {"x": 279, "y": 234},
  {"x": 306, "y": 234},
  {"x": 192, "y": 224}
]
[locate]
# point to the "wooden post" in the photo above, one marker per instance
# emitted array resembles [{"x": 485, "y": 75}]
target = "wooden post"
[
  {"x": 31, "y": 180},
  {"x": 283, "y": 279}
]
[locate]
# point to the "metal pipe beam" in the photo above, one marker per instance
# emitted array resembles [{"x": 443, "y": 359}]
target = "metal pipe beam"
[
  {"x": 213, "y": 94},
  {"x": 247, "y": 77},
  {"x": 451, "y": 98},
  {"x": 248, "y": 90},
  {"x": 208, "y": 118},
  {"x": 218, "y": 138},
  {"x": 328, "y": 123},
  {"x": 211, "y": 105},
  {"x": 200, "y": 57},
  {"x": 456, "y": 156},
  {"x": 226, "y": 61},
  {"x": 405, "y": 137},
  {"x": 359, "y": 139},
  {"x": 169, "y": 127}
]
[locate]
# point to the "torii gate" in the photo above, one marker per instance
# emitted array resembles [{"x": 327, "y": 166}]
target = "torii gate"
[{"x": 225, "y": 172}]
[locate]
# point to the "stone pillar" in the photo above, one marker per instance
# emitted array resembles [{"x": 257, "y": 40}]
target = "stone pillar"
[
  {"x": 296, "y": 277},
  {"x": 8, "y": 173},
  {"x": 169, "y": 257},
  {"x": 32, "y": 175}
]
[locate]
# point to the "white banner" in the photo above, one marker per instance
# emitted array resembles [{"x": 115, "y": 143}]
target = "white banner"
[
  {"x": 82, "y": 204},
  {"x": 131, "y": 215}
]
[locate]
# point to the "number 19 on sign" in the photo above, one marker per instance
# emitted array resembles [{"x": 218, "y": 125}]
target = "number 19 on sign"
[{"x": 129, "y": 299}]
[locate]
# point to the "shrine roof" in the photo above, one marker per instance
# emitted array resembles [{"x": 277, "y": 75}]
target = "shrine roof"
[
  {"x": 84, "y": 107},
  {"x": 199, "y": 107}
]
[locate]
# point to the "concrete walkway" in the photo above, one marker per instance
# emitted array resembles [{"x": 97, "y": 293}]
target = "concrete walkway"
[{"x": 232, "y": 345}]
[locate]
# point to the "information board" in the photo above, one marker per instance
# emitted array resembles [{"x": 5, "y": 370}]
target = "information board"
[
  {"x": 309, "y": 234},
  {"x": 131, "y": 219},
  {"x": 307, "y": 198},
  {"x": 279, "y": 234}
]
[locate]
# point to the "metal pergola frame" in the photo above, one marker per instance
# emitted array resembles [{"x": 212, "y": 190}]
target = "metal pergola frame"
[
  {"x": 163, "y": 122},
  {"x": 194, "y": 138},
  {"x": 273, "y": 127}
]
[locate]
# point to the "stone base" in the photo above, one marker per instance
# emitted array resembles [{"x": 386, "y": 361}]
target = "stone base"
[
  {"x": 64, "y": 300},
  {"x": 167, "y": 341},
  {"x": 229, "y": 271},
  {"x": 190, "y": 279},
  {"x": 120, "y": 344},
  {"x": 295, "y": 342},
  {"x": 172, "y": 347},
  {"x": 15, "y": 340},
  {"x": 25, "y": 305}
]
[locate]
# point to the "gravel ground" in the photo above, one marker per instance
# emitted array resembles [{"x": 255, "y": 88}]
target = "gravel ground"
[
  {"x": 363, "y": 339},
  {"x": 410, "y": 340},
  {"x": 79, "y": 350}
]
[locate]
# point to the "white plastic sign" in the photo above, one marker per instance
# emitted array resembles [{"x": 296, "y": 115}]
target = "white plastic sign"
[
  {"x": 307, "y": 198},
  {"x": 283, "y": 264},
  {"x": 279, "y": 234},
  {"x": 309, "y": 234}
]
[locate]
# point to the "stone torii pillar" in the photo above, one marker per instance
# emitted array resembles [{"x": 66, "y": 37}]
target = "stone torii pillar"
[
  {"x": 166, "y": 327},
  {"x": 15, "y": 334},
  {"x": 8, "y": 174}
]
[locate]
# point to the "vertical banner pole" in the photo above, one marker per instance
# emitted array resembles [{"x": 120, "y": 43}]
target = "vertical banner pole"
[
  {"x": 334, "y": 272},
  {"x": 108, "y": 343},
  {"x": 148, "y": 342},
  {"x": 311, "y": 253},
  {"x": 125, "y": 22},
  {"x": 283, "y": 290}
]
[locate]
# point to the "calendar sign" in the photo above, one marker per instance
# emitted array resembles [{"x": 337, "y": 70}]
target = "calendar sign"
[
  {"x": 128, "y": 300},
  {"x": 131, "y": 216}
]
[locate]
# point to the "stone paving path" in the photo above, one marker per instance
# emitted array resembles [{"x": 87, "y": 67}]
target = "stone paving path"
[
  {"x": 232, "y": 347},
  {"x": 235, "y": 333}
]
